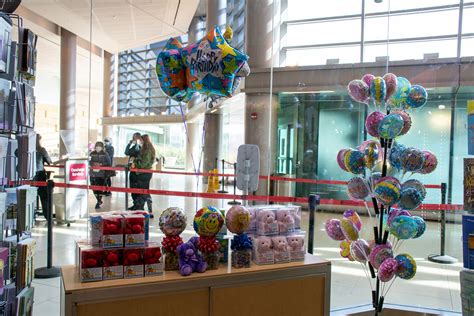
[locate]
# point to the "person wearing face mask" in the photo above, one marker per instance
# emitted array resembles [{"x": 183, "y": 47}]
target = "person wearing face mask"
[
  {"x": 132, "y": 151},
  {"x": 110, "y": 151},
  {"x": 145, "y": 160},
  {"x": 99, "y": 158}
]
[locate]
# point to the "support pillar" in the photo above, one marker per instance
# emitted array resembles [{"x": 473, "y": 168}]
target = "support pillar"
[
  {"x": 262, "y": 41},
  {"x": 107, "y": 98},
  {"x": 216, "y": 13},
  {"x": 67, "y": 94}
]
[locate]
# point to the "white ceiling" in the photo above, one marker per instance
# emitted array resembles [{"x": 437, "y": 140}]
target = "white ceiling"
[{"x": 118, "y": 25}]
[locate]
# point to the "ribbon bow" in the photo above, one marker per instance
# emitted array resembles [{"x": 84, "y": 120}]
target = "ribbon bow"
[
  {"x": 241, "y": 242},
  {"x": 208, "y": 244},
  {"x": 171, "y": 243}
]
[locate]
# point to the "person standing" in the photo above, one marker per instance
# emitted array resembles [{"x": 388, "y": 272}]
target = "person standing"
[
  {"x": 132, "y": 151},
  {"x": 99, "y": 158},
  {"x": 42, "y": 157},
  {"x": 145, "y": 160},
  {"x": 109, "y": 148}
]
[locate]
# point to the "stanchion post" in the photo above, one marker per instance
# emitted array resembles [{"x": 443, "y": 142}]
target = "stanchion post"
[
  {"x": 313, "y": 201},
  {"x": 127, "y": 168},
  {"x": 49, "y": 271}
]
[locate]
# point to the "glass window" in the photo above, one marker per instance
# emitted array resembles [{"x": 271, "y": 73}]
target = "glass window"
[
  {"x": 319, "y": 56},
  {"x": 467, "y": 46},
  {"x": 324, "y": 32},
  {"x": 460, "y": 148},
  {"x": 371, "y": 6},
  {"x": 468, "y": 20},
  {"x": 307, "y": 9}
]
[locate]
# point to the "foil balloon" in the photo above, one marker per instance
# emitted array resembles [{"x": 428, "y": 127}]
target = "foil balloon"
[
  {"x": 413, "y": 183},
  {"x": 406, "y": 121},
  {"x": 172, "y": 221},
  {"x": 373, "y": 179},
  {"x": 372, "y": 153},
  {"x": 368, "y": 78},
  {"x": 171, "y": 71},
  {"x": 417, "y": 97},
  {"x": 412, "y": 159},
  {"x": 387, "y": 191},
  {"x": 395, "y": 154},
  {"x": 406, "y": 266},
  {"x": 399, "y": 97},
  {"x": 345, "y": 251},
  {"x": 237, "y": 219},
  {"x": 379, "y": 254},
  {"x": 429, "y": 164},
  {"x": 373, "y": 243},
  {"x": 387, "y": 269},
  {"x": 354, "y": 218},
  {"x": 360, "y": 250},
  {"x": 372, "y": 123},
  {"x": 358, "y": 91},
  {"x": 410, "y": 198},
  {"x": 421, "y": 226},
  {"x": 391, "y": 126},
  {"x": 208, "y": 221},
  {"x": 358, "y": 188},
  {"x": 391, "y": 83},
  {"x": 354, "y": 161},
  {"x": 395, "y": 212},
  {"x": 403, "y": 227},
  {"x": 341, "y": 158},
  {"x": 349, "y": 229},
  {"x": 333, "y": 229},
  {"x": 378, "y": 90}
]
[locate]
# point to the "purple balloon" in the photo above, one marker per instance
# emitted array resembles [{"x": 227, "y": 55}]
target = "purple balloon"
[
  {"x": 368, "y": 78},
  {"x": 372, "y": 123},
  {"x": 333, "y": 229},
  {"x": 387, "y": 269},
  {"x": 358, "y": 90}
]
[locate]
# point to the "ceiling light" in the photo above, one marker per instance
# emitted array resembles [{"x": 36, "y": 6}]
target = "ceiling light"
[{"x": 441, "y": 106}]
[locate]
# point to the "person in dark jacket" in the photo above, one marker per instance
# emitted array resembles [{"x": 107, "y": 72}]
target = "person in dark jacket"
[
  {"x": 42, "y": 157},
  {"x": 132, "y": 151},
  {"x": 99, "y": 158},
  {"x": 145, "y": 160},
  {"x": 110, "y": 151}
]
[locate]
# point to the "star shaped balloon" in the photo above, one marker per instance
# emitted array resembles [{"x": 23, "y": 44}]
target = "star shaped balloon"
[{"x": 210, "y": 67}]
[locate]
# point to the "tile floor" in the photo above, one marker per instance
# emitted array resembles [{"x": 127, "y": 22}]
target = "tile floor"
[{"x": 435, "y": 286}]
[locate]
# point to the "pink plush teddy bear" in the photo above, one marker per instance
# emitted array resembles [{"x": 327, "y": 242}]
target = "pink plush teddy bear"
[
  {"x": 296, "y": 243},
  {"x": 286, "y": 222},
  {"x": 280, "y": 249},
  {"x": 266, "y": 222},
  {"x": 263, "y": 250}
]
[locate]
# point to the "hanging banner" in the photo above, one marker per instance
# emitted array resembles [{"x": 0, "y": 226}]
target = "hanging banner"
[
  {"x": 470, "y": 127},
  {"x": 469, "y": 184}
]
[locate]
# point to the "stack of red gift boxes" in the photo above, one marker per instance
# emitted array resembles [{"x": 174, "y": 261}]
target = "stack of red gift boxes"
[{"x": 118, "y": 248}]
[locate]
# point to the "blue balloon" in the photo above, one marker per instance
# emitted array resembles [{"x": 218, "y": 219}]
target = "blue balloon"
[
  {"x": 406, "y": 266},
  {"x": 398, "y": 99},
  {"x": 395, "y": 155},
  {"x": 378, "y": 90},
  {"x": 421, "y": 226},
  {"x": 391, "y": 126},
  {"x": 417, "y": 97},
  {"x": 404, "y": 227}
]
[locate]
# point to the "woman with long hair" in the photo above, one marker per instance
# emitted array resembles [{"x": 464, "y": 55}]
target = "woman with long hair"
[
  {"x": 145, "y": 160},
  {"x": 99, "y": 158}
]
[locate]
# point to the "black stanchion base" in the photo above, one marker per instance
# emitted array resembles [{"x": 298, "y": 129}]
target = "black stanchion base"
[
  {"x": 222, "y": 191},
  {"x": 234, "y": 203},
  {"x": 442, "y": 259},
  {"x": 47, "y": 273}
]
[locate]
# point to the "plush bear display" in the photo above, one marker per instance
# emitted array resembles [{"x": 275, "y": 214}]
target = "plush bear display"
[
  {"x": 286, "y": 222},
  {"x": 295, "y": 212},
  {"x": 266, "y": 223},
  {"x": 189, "y": 259},
  {"x": 253, "y": 220},
  {"x": 280, "y": 249},
  {"x": 296, "y": 245},
  {"x": 263, "y": 252}
]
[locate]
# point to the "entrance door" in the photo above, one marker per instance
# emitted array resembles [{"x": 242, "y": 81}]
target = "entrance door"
[{"x": 286, "y": 149}]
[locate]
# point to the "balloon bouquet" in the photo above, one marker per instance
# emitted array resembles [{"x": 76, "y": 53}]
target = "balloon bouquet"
[
  {"x": 211, "y": 67},
  {"x": 376, "y": 164}
]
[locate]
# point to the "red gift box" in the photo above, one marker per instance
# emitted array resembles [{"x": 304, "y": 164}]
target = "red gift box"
[
  {"x": 134, "y": 231},
  {"x": 152, "y": 255},
  {"x": 113, "y": 268},
  {"x": 91, "y": 264},
  {"x": 112, "y": 231},
  {"x": 133, "y": 263}
]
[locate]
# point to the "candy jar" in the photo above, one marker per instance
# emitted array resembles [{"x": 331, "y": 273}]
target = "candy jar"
[
  {"x": 172, "y": 223},
  {"x": 237, "y": 221},
  {"x": 207, "y": 223}
]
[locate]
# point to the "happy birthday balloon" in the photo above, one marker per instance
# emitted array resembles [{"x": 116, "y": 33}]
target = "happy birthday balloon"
[
  {"x": 360, "y": 250},
  {"x": 406, "y": 121},
  {"x": 412, "y": 159},
  {"x": 430, "y": 163},
  {"x": 406, "y": 266},
  {"x": 387, "y": 191},
  {"x": 403, "y": 227},
  {"x": 372, "y": 153},
  {"x": 398, "y": 99},
  {"x": 333, "y": 229},
  {"x": 391, "y": 126},
  {"x": 379, "y": 254},
  {"x": 358, "y": 91},
  {"x": 341, "y": 158},
  {"x": 378, "y": 90},
  {"x": 368, "y": 78},
  {"x": 372, "y": 123},
  {"x": 171, "y": 71},
  {"x": 417, "y": 97},
  {"x": 345, "y": 251},
  {"x": 349, "y": 229},
  {"x": 358, "y": 188},
  {"x": 354, "y": 218},
  {"x": 387, "y": 269},
  {"x": 421, "y": 226},
  {"x": 354, "y": 161},
  {"x": 391, "y": 83}
]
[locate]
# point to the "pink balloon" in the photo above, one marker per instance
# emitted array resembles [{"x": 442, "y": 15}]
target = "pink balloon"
[
  {"x": 379, "y": 254},
  {"x": 333, "y": 229},
  {"x": 372, "y": 123},
  {"x": 391, "y": 84},
  {"x": 406, "y": 121},
  {"x": 358, "y": 91},
  {"x": 368, "y": 78},
  {"x": 387, "y": 269},
  {"x": 340, "y": 158},
  {"x": 430, "y": 163}
]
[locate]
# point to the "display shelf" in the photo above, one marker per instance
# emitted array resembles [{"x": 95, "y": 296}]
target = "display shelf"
[{"x": 302, "y": 288}]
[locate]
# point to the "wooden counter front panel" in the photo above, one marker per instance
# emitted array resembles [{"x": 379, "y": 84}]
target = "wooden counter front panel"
[
  {"x": 192, "y": 303},
  {"x": 299, "y": 296}
]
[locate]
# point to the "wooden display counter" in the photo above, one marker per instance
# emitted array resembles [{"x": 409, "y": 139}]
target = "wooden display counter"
[{"x": 297, "y": 288}]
